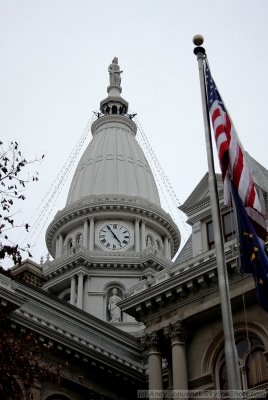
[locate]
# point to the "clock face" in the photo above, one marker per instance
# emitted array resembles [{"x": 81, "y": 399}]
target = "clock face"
[{"x": 114, "y": 236}]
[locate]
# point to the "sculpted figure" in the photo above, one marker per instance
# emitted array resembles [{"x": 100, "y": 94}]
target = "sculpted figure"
[
  {"x": 114, "y": 72},
  {"x": 115, "y": 311}
]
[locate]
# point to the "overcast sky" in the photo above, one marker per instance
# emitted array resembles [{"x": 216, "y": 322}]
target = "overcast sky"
[{"x": 53, "y": 74}]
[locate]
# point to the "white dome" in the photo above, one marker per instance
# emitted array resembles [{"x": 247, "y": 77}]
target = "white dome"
[{"x": 113, "y": 163}]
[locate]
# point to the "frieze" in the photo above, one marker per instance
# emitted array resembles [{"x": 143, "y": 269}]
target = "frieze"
[
  {"x": 174, "y": 294},
  {"x": 79, "y": 256},
  {"x": 126, "y": 204}
]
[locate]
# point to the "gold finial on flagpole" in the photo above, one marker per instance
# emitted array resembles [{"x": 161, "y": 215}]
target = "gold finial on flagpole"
[{"x": 198, "y": 40}]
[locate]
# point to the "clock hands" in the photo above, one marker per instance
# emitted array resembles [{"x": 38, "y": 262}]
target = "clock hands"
[{"x": 114, "y": 235}]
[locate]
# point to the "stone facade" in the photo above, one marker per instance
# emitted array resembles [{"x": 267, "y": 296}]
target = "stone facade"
[{"x": 111, "y": 307}]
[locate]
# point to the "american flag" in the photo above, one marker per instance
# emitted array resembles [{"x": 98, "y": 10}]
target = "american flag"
[{"x": 232, "y": 158}]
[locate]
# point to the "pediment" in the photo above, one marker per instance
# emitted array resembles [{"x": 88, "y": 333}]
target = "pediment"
[{"x": 200, "y": 194}]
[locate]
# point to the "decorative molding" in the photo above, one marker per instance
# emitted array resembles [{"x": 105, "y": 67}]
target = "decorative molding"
[
  {"x": 202, "y": 381},
  {"x": 151, "y": 342},
  {"x": 75, "y": 332},
  {"x": 114, "y": 119},
  {"x": 183, "y": 287},
  {"x": 97, "y": 205},
  {"x": 175, "y": 332},
  {"x": 79, "y": 257}
]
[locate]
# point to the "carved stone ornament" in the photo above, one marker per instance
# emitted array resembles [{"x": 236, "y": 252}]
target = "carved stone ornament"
[
  {"x": 151, "y": 342},
  {"x": 175, "y": 332}
]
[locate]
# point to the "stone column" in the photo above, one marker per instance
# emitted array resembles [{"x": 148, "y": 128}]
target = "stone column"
[
  {"x": 80, "y": 290},
  {"x": 73, "y": 287},
  {"x": 57, "y": 248},
  {"x": 176, "y": 334},
  {"x": 166, "y": 246},
  {"x": 143, "y": 244},
  {"x": 137, "y": 235},
  {"x": 60, "y": 245},
  {"x": 243, "y": 376},
  {"x": 85, "y": 234},
  {"x": 169, "y": 250},
  {"x": 91, "y": 234},
  {"x": 155, "y": 364}
]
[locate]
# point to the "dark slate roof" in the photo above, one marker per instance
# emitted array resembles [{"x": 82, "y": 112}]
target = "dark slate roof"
[{"x": 186, "y": 252}]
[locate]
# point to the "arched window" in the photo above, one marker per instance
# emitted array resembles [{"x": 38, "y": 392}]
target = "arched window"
[
  {"x": 149, "y": 241},
  {"x": 253, "y": 366},
  {"x": 79, "y": 239},
  {"x": 114, "y": 110}
]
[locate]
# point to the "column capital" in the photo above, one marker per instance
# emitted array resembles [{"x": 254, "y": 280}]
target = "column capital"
[
  {"x": 151, "y": 342},
  {"x": 175, "y": 332}
]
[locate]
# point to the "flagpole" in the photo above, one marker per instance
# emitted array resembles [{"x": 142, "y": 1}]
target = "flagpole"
[{"x": 231, "y": 358}]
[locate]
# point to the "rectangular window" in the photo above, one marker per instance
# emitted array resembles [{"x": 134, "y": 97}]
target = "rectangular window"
[
  {"x": 210, "y": 235},
  {"x": 228, "y": 226}
]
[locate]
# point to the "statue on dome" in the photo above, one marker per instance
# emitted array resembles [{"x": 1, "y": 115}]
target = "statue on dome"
[
  {"x": 114, "y": 73},
  {"x": 115, "y": 311}
]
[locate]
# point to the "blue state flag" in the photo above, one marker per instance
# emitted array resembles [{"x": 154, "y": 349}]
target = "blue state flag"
[{"x": 253, "y": 256}]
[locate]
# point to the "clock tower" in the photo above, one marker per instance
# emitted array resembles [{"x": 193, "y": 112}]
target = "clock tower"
[{"x": 112, "y": 233}]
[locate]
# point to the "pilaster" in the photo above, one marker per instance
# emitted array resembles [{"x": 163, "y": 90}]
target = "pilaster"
[
  {"x": 73, "y": 287},
  {"x": 85, "y": 235},
  {"x": 91, "y": 233},
  {"x": 80, "y": 291},
  {"x": 137, "y": 235}
]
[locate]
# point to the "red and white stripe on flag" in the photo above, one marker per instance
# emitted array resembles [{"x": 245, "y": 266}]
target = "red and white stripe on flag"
[{"x": 232, "y": 158}]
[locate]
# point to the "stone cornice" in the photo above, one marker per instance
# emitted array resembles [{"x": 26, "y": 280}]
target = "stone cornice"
[
  {"x": 85, "y": 260},
  {"x": 74, "y": 329},
  {"x": 183, "y": 286},
  {"x": 200, "y": 195},
  {"x": 79, "y": 348},
  {"x": 9, "y": 299},
  {"x": 97, "y": 206},
  {"x": 38, "y": 297}
]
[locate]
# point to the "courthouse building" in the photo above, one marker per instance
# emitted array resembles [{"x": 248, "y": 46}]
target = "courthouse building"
[{"x": 111, "y": 306}]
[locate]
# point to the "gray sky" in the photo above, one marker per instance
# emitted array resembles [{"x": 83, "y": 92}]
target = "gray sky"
[{"x": 53, "y": 74}]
